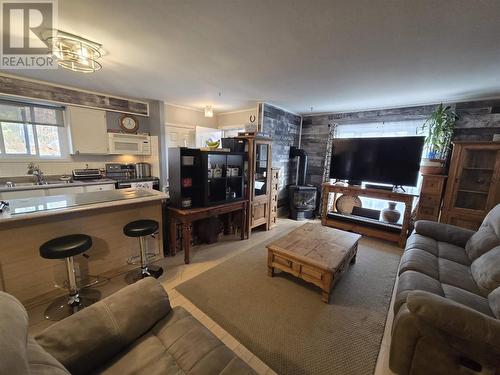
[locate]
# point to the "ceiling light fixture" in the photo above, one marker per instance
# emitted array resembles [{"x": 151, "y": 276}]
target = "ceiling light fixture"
[
  {"x": 74, "y": 53},
  {"x": 209, "y": 112}
]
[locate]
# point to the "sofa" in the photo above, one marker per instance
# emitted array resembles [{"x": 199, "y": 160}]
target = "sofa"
[
  {"x": 134, "y": 331},
  {"x": 447, "y": 303}
]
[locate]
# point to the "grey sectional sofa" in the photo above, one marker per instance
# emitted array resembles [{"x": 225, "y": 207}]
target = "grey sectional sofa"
[
  {"x": 447, "y": 305},
  {"x": 134, "y": 331}
]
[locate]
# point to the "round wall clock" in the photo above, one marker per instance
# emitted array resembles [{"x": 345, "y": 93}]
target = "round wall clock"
[{"x": 129, "y": 124}]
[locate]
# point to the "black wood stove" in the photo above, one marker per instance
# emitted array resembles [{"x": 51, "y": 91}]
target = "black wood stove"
[{"x": 302, "y": 196}]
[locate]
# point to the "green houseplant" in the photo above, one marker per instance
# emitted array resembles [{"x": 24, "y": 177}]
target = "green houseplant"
[{"x": 439, "y": 127}]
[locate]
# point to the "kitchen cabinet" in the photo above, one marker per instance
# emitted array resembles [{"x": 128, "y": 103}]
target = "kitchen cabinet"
[
  {"x": 473, "y": 187},
  {"x": 64, "y": 190},
  {"x": 87, "y": 130},
  {"x": 103, "y": 187}
]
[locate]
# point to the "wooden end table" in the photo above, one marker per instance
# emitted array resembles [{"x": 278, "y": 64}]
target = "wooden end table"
[
  {"x": 314, "y": 253},
  {"x": 186, "y": 216}
]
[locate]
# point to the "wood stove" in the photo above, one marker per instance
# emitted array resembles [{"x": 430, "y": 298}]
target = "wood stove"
[{"x": 302, "y": 196}]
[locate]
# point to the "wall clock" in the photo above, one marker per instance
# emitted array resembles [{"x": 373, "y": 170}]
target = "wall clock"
[{"x": 129, "y": 124}]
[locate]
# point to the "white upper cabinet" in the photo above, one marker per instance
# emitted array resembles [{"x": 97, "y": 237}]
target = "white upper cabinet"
[{"x": 88, "y": 130}]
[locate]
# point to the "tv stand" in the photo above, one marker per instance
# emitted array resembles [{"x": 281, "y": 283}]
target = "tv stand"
[{"x": 374, "y": 228}]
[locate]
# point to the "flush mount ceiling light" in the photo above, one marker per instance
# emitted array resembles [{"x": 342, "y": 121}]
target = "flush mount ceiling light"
[
  {"x": 209, "y": 112},
  {"x": 74, "y": 53}
]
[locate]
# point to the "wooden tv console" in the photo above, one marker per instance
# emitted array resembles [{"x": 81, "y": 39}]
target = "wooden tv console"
[{"x": 370, "y": 227}]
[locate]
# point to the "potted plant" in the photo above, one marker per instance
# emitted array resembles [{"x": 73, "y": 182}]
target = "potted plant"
[{"x": 439, "y": 127}]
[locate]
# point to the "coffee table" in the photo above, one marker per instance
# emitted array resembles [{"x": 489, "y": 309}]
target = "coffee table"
[{"x": 315, "y": 253}]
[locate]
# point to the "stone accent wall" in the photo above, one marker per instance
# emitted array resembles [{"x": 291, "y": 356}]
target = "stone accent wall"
[
  {"x": 284, "y": 128},
  {"x": 479, "y": 120}
]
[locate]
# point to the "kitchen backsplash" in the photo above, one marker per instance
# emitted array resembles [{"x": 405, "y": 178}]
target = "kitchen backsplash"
[
  {"x": 19, "y": 168},
  {"x": 58, "y": 167}
]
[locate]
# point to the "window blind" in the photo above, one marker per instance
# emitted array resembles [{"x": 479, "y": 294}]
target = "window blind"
[{"x": 27, "y": 113}]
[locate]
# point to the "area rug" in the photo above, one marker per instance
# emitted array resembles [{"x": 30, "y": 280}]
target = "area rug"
[{"x": 283, "y": 321}]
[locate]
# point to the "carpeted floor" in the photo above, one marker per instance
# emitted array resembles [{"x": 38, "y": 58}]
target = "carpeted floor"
[{"x": 283, "y": 321}]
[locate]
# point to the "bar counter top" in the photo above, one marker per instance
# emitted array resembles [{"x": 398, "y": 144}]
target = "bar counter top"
[{"x": 28, "y": 208}]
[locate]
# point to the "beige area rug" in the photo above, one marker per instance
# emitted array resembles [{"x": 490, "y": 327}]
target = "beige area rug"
[{"x": 283, "y": 321}]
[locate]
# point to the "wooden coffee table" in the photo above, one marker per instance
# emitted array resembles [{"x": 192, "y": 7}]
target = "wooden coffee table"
[{"x": 314, "y": 253}]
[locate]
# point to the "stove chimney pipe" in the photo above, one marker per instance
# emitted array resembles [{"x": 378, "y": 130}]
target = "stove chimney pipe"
[{"x": 294, "y": 151}]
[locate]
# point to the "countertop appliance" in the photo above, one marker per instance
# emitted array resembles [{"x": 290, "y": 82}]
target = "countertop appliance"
[
  {"x": 87, "y": 174},
  {"x": 142, "y": 170},
  {"x": 125, "y": 176}
]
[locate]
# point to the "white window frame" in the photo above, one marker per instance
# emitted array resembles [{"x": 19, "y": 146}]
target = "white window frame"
[
  {"x": 383, "y": 129},
  {"x": 61, "y": 131}
]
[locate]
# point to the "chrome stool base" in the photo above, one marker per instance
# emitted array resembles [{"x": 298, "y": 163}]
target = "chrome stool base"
[{"x": 62, "y": 308}]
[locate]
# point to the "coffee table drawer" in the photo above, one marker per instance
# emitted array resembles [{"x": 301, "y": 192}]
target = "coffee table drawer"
[
  {"x": 312, "y": 272},
  {"x": 282, "y": 261}
]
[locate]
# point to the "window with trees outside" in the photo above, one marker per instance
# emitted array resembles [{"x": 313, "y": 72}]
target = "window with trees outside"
[{"x": 31, "y": 130}]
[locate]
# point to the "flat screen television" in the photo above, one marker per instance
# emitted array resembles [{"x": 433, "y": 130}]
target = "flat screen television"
[{"x": 389, "y": 160}]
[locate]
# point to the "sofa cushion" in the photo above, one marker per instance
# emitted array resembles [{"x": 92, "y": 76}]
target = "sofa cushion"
[
  {"x": 19, "y": 353},
  {"x": 466, "y": 298},
  {"x": 177, "y": 344},
  {"x": 13, "y": 337},
  {"x": 494, "y": 302},
  {"x": 412, "y": 280},
  {"x": 421, "y": 261},
  {"x": 458, "y": 275},
  {"x": 453, "y": 252},
  {"x": 487, "y": 236},
  {"x": 417, "y": 241},
  {"x": 443, "y": 232},
  {"x": 486, "y": 270},
  {"x": 42, "y": 363},
  {"x": 86, "y": 340}
]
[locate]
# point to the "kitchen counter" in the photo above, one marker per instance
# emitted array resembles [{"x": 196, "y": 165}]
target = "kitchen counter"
[
  {"x": 29, "y": 222},
  {"x": 27, "y": 208},
  {"x": 56, "y": 184}
]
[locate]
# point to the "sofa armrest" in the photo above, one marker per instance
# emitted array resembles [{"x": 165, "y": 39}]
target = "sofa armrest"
[
  {"x": 443, "y": 232},
  {"x": 84, "y": 341},
  {"x": 455, "y": 319}
]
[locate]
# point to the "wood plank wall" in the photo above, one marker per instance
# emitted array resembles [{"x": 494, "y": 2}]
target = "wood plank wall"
[
  {"x": 284, "y": 128},
  {"x": 43, "y": 91},
  {"x": 479, "y": 120}
]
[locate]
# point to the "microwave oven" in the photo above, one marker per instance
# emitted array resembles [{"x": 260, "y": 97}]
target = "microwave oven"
[{"x": 131, "y": 144}]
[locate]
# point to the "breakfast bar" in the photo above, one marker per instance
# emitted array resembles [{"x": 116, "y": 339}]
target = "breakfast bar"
[{"x": 102, "y": 215}]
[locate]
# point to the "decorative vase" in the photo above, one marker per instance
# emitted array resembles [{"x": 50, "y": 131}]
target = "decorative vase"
[{"x": 390, "y": 214}]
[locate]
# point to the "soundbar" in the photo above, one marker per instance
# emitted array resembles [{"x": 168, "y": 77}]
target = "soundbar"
[{"x": 380, "y": 187}]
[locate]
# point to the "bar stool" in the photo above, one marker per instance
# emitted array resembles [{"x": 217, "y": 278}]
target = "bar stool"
[
  {"x": 67, "y": 247},
  {"x": 141, "y": 229}
]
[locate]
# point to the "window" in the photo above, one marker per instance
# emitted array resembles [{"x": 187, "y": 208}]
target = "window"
[
  {"x": 382, "y": 129},
  {"x": 31, "y": 130}
]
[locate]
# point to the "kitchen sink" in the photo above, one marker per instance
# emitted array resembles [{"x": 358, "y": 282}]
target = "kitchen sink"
[{"x": 30, "y": 184}]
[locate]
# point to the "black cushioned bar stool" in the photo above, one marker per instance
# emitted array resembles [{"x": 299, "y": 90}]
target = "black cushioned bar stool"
[
  {"x": 141, "y": 229},
  {"x": 66, "y": 248}
]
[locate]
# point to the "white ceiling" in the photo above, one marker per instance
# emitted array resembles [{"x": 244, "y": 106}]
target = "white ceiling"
[{"x": 333, "y": 55}]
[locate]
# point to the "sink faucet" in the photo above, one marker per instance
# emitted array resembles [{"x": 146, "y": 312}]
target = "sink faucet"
[{"x": 36, "y": 171}]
